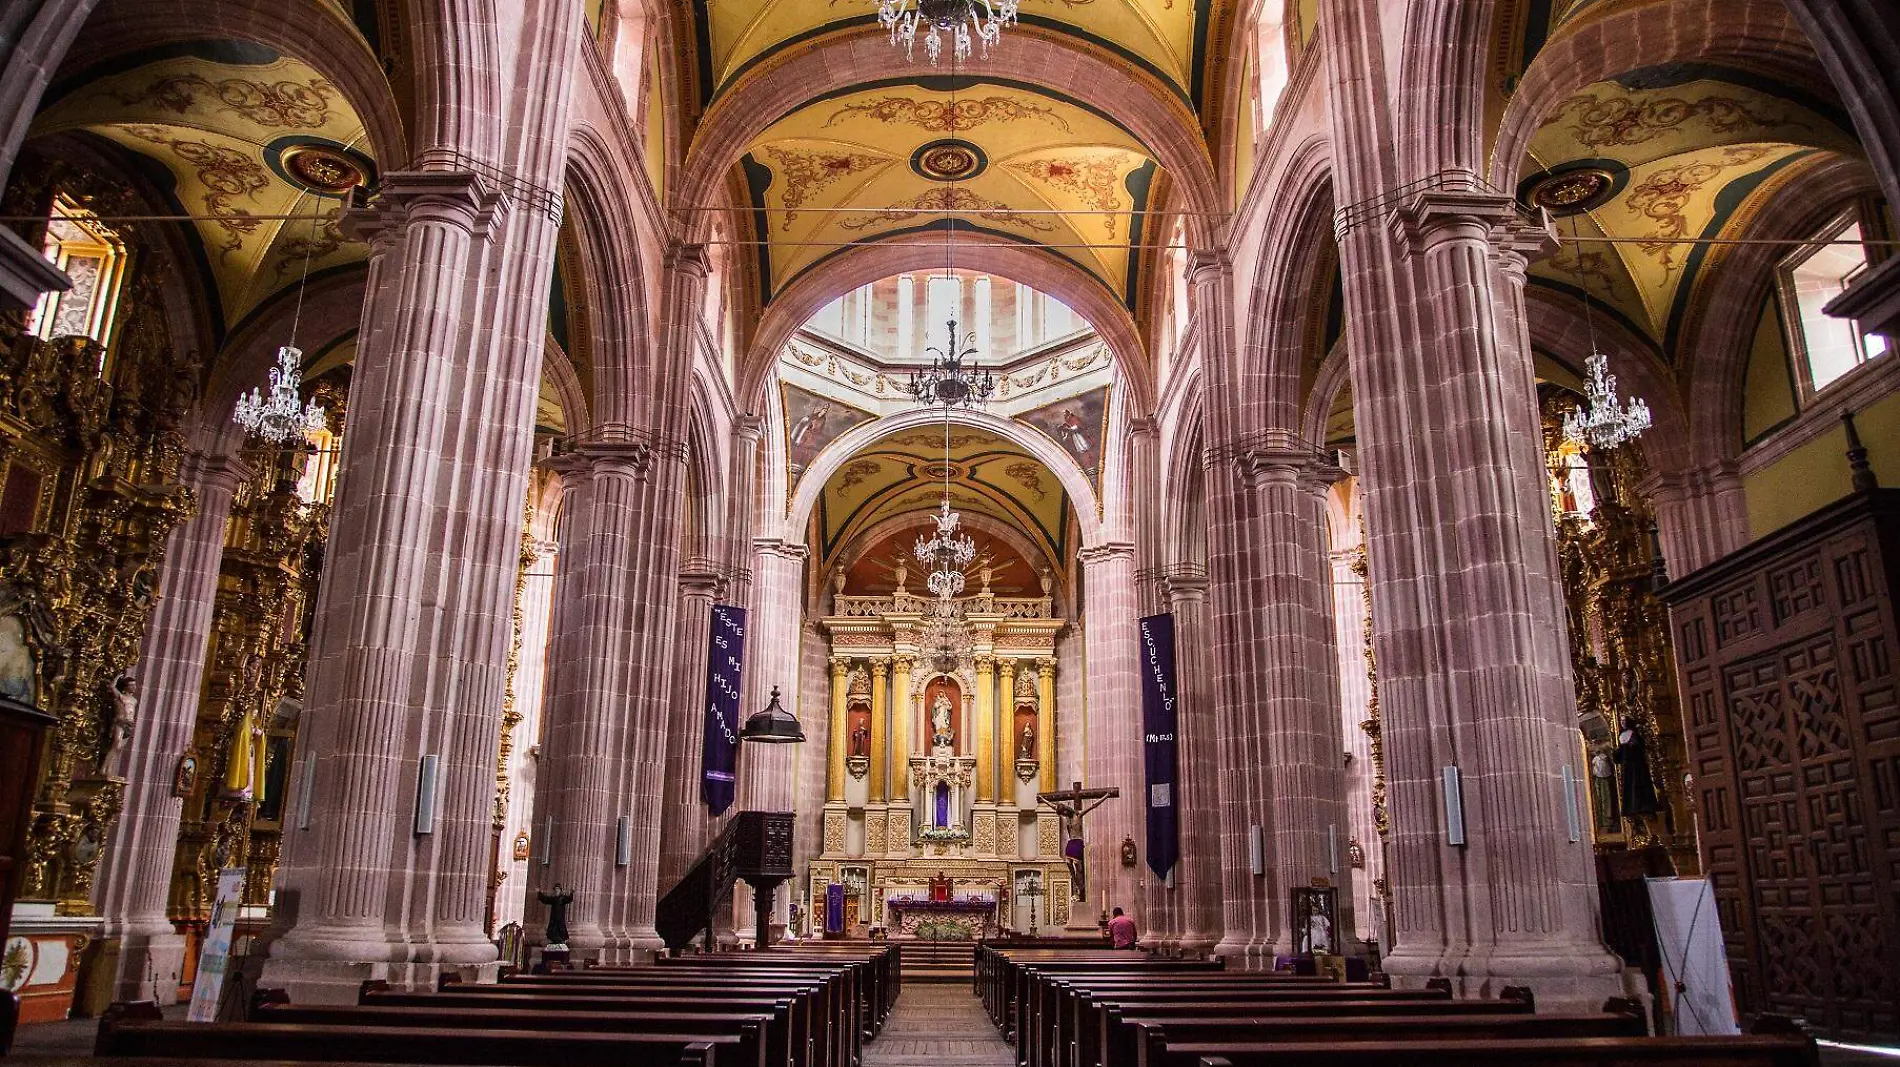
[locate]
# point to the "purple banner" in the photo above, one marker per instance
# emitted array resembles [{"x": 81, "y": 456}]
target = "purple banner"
[
  {"x": 834, "y": 908},
  {"x": 719, "y": 755},
  {"x": 1158, "y": 745}
]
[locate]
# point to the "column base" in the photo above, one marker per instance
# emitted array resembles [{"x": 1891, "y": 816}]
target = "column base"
[
  {"x": 1562, "y": 982},
  {"x": 1245, "y": 955},
  {"x": 150, "y": 965}
]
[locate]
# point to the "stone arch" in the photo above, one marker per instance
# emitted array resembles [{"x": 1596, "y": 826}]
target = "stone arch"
[
  {"x": 791, "y": 525},
  {"x": 868, "y": 263},
  {"x": 1335, "y": 373},
  {"x": 1184, "y": 519},
  {"x": 557, "y": 371},
  {"x": 614, "y": 274},
  {"x": 973, "y": 520},
  {"x": 1271, "y": 351},
  {"x": 1757, "y": 36},
  {"x": 306, "y": 29},
  {"x": 1153, "y": 112},
  {"x": 1442, "y": 93}
]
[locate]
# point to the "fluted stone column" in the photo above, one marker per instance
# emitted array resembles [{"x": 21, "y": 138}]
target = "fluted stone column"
[
  {"x": 768, "y": 773},
  {"x": 685, "y": 826},
  {"x": 1046, "y": 723},
  {"x": 840, "y": 728},
  {"x": 880, "y": 743},
  {"x": 1302, "y": 772},
  {"x": 585, "y": 740},
  {"x": 1114, "y": 724},
  {"x": 1701, "y": 515},
  {"x": 134, "y": 879},
  {"x": 1197, "y": 877}
]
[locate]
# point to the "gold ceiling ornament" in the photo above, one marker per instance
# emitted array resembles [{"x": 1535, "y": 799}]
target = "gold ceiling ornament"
[
  {"x": 1572, "y": 191},
  {"x": 322, "y": 169}
]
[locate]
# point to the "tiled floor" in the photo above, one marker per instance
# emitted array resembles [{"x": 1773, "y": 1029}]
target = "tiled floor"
[{"x": 938, "y": 1026}]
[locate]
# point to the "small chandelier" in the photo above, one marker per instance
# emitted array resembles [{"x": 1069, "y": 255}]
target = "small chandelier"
[
  {"x": 948, "y": 380},
  {"x": 1605, "y": 421},
  {"x": 945, "y": 633},
  {"x": 946, "y": 553},
  {"x": 964, "y": 21},
  {"x": 283, "y": 417}
]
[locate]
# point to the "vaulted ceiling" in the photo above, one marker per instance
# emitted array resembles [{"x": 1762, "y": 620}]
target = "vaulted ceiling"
[
  {"x": 1659, "y": 154},
  {"x": 234, "y": 130},
  {"x": 904, "y": 474}
]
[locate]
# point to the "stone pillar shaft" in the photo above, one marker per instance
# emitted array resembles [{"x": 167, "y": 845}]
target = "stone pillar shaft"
[
  {"x": 135, "y": 872},
  {"x": 1197, "y": 877},
  {"x": 880, "y": 742},
  {"x": 1114, "y": 723},
  {"x": 684, "y": 823}
]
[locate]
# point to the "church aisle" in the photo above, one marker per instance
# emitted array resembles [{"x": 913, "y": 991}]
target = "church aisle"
[{"x": 938, "y": 1026}]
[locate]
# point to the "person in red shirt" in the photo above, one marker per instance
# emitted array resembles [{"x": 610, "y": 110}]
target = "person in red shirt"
[{"x": 1121, "y": 930}]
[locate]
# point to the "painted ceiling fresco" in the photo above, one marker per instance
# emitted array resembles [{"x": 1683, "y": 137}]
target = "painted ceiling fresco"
[
  {"x": 874, "y": 571},
  {"x": 878, "y": 161},
  {"x": 1657, "y": 155},
  {"x": 240, "y": 131},
  {"x": 904, "y": 473},
  {"x": 1166, "y": 37}
]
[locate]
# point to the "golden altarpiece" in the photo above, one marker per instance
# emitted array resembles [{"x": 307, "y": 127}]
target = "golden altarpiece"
[{"x": 934, "y": 760}]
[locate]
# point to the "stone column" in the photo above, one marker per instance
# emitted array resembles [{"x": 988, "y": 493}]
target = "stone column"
[
  {"x": 838, "y": 743},
  {"x": 135, "y": 872},
  {"x": 374, "y": 658},
  {"x": 985, "y": 729},
  {"x": 1701, "y": 515},
  {"x": 1301, "y": 776},
  {"x": 768, "y": 773},
  {"x": 1197, "y": 877},
  {"x": 1474, "y": 670},
  {"x": 684, "y": 824},
  {"x": 880, "y": 743},
  {"x": 1114, "y": 755},
  {"x": 1046, "y": 723}
]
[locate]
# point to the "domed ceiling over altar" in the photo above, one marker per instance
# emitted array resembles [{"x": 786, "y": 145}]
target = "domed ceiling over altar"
[{"x": 990, "y": 477}]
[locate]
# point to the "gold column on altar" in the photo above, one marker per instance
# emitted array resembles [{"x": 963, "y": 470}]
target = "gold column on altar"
[
  {"x": 878, "y": 746},
  {"x": 1006, "y": 727},
  {"x": 838, "y": 742},
  {"x": 1046, "y": 721},
  {"x": 985, "y": 729},
  {"x": 901, "y": 715}
]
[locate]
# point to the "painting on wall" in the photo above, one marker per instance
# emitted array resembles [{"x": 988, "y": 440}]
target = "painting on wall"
[
  {"x": 1079, "y": 425},
  {"x": 19, "y": 678},
  {"x": 811, "y": 423}
]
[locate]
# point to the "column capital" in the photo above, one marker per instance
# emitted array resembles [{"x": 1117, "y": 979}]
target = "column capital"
[
  {"x": 688, "y": 258},
  {"x": 1280, "y": 457},
  {"x": 985, "y": 662},
  {"x": 903, "y": 661},
  {"x": 1436, "y": 217},
  {"x": 786, "y": 550},
  {"x": 749, "y": 428},
  {"x": 452, "y": 197},
  {"x": 840, "y": 665},
  {"x": 1206, "y": 266},
  {"x": 1045, "y": 665},
  {"x": 1186, "y": 584},
  {"x": 1094, "y": 555},
  {"x": 212, "y": 471},
  {"x": 879, "y": 665}
]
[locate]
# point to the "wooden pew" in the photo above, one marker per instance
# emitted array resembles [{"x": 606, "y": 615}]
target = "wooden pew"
[
  {"x": 1141, "y": 1041},
  {"x": 1748, "y": 1051},
  {"x": 475, "y": 1047},
  {"x": 793, "y": 1023},
  {"x": 762, "y": 1039},
  {"x": 1073, "y": 1036}
]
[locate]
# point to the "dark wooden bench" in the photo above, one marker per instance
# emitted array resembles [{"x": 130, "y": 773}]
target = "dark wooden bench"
[
  {"x": 1141, "y": 1041},
  {"x": 1063, "y": 1011},
  {"x": 841, "y": 1000},
  {"x": 475, "y": 1047},
  {"x": 1749, "y": 1051},
  {"x": 762, "y": 1037}
]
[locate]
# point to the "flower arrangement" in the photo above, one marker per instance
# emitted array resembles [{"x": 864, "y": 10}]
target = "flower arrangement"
[
  {"x": 943, "y": 833},
  {"x": 943, "y": 930}
]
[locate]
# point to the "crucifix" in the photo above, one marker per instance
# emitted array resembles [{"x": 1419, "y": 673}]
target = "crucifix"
[{"x": 1071, "y": 805}]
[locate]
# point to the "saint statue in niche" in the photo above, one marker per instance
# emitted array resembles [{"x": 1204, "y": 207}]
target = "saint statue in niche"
[
  {"x": 941, "y": 733},
  {"x": 1026, "y": 741},
  {"x": 861, "y": 741}
]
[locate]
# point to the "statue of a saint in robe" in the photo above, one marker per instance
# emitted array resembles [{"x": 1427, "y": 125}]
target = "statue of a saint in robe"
[
  {"x": 1026, "y": 743},
  {"x": 940, "y": 721}
]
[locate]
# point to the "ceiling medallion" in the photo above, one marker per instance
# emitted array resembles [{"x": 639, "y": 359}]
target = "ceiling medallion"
[
  {"x": 948, "y": 161},
  {"x": 963, "y": 21},
  {"x": 941, "y": 471},
  {"x": 1572, "y": 191},
  {"x": 322, "y": 169}
]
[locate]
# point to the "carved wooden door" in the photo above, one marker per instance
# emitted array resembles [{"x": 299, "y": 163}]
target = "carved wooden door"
[{"x": 1786, "y": 658}]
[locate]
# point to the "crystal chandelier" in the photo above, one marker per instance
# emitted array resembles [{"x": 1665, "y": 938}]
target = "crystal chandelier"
[
  {"x": 283, "y": 416},
  {"x": 963, "y": 21},
  {"x": 946, "y": 553},
  {"x": 945, "y": 633},
  {"x": 1605, "y": 421},
  {"x": 949, "y": 380}
]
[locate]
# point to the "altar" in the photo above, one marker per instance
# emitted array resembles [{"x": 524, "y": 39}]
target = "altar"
[{"x": 960, "y": 919}]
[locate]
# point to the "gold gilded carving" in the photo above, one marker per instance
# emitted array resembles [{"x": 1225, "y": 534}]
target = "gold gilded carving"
[
  {"x": 834, "y": 832},
  {"x": 936, "y": 116},
  {"x": 1374, "y": 730},
  {"x": 873, "y": 834}
]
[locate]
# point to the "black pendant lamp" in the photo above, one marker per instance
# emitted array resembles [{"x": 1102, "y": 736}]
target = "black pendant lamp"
[{"x": 774, "y": 725}]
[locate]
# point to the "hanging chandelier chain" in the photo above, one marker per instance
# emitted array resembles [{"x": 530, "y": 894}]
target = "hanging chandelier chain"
[{"x": 284, "y": 416}]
